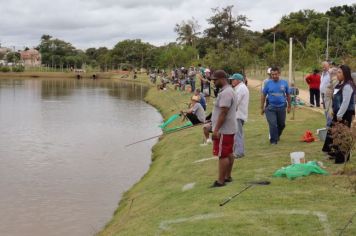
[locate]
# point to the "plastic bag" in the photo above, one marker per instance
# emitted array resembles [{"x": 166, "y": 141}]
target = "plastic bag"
[{"x": 300, "y": 170}]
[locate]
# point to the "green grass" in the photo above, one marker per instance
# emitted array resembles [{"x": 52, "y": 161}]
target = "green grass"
[{"x": 283, "y": 208}]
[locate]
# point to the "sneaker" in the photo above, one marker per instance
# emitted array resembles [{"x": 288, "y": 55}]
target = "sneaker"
[
  {"x": 203, "y": 144},
  {"x": 273, "y": 143},
  {"x": 228, "y": 180},
  {"x": 216, "y": 184},
  {"x": 239, "y": 156},
  {"x": 209, "y": 141}
]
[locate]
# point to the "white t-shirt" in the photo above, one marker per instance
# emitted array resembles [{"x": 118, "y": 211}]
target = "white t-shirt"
[
  {"x": 243, "y": 97},
  {"x": 325, "y": 81}
]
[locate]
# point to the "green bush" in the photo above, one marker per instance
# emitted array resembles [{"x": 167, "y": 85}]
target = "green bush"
[
  {"x": 5, "y": 69},
  {"x": 18, "y": 69}
]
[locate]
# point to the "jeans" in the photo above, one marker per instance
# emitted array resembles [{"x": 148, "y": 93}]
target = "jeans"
[
  {"x": 276, "y": 117},
  {"x": 239, "y": 147},
  {"x": 315, "y": 97},
  {"x": 192, "y": 83},
  {"x": 323, "y": 100}
]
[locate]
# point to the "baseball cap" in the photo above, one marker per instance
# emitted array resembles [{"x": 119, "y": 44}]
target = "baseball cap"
[
  {"x": 195, "y": 98},
  {"x": 237, "y": 76}
]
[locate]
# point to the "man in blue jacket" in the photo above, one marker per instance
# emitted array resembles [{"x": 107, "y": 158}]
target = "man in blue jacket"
[{"x": 279, "y": 99}]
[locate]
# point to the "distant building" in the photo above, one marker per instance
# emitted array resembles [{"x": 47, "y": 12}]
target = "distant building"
[
  {"x": 31, "y": 58},
  {"x": 3, "y": 52}
]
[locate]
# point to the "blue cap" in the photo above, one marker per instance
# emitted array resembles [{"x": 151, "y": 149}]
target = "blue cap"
[{"x": 237, "y": 76}]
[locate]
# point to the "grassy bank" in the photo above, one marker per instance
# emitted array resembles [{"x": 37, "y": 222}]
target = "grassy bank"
[{"x": 314, "y": 205}]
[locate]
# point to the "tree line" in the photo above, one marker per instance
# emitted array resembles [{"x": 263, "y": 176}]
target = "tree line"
[{"x": 227, "y": 43}]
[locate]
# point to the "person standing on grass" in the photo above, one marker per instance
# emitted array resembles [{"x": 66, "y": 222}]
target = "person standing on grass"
[
  {"x": 277, "y": 91},
  {"x": 191, "y": 75},
  {"x": 202, "y": 72},
  {"x": 324, "y": 83},
  {"x": 313, "y": 80},
  {"x": 224, "y": 127},
  {"x": 243, "y": 96},
  {"x": 343, "y": 105}
]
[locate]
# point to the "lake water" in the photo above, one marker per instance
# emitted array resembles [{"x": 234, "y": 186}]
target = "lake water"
[{"x": 63, "y": 164}]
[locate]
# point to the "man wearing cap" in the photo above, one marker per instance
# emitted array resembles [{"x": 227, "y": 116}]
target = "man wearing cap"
[
  {"x": 278, "y": 98},
  {"x": 243, "y": 96},
  {"x": 196, "y": 113},
  {"x": 224, "y": 127}
]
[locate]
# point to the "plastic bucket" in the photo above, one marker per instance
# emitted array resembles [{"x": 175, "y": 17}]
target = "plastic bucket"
[
  {"x": 297, "y": 157},
  {"x": 322, "y": 133}
]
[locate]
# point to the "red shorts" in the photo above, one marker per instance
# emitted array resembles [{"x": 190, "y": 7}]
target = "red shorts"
[{"x": 224, "y": 146}]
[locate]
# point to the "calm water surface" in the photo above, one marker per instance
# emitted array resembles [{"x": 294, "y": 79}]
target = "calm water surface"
[{"x": 63, "y": 164}]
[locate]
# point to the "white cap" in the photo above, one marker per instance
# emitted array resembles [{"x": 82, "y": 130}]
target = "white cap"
[{"x": 207, "y": 70}]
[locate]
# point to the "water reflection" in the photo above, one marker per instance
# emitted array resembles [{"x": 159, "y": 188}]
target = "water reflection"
[{"x": 63, "y": 166}]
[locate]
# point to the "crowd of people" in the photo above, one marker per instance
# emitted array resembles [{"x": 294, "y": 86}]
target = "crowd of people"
[{"x": 334, "y": 89}]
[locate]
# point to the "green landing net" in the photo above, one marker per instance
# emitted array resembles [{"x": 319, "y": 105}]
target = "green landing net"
[{"x": 171, "y": 120}]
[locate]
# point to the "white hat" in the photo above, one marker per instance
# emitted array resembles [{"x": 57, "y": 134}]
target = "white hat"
[
  {"x": 269, "y": 70},
  {"x": 207, "y": 70}
]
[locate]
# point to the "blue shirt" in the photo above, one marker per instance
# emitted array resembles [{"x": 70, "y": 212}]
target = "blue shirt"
[{"x": 276, "y": 92}]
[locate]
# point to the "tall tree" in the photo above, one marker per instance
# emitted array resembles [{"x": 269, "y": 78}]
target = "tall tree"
[
  {"x": 188, "y": 32},
  {"x": 226, "y": 27}
]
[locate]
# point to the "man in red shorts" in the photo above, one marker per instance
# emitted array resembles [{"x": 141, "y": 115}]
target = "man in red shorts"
[{"x": 224, "y": 127}]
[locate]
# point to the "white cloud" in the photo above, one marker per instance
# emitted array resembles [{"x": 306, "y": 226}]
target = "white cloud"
[{"x": 93, "y": 23}]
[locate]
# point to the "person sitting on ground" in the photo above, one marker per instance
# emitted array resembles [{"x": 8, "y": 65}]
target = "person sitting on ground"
[
  {"x": 313, "y": 80},
  {"x": 196, "y": 113},
  {"x": 202, "y": 100},
  {"x": 207, "y": 129}
]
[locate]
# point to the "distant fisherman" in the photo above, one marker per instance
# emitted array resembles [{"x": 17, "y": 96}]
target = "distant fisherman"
[{"x": 196, "y": 113}]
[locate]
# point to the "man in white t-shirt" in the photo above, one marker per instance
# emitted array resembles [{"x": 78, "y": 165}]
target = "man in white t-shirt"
[
  {"x": 324, "y": 82},
  {"x": 243, "y": 96}
]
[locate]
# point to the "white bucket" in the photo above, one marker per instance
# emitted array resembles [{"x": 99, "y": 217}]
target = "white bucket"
[
  {"x": 322, "y": 133},
  {"x": 297, "y": 157}
]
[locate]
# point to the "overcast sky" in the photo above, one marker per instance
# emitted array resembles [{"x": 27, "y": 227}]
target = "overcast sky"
[{"x": 94, "y": 23}]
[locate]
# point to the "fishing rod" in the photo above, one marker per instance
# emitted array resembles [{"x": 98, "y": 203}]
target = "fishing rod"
[
  {"x": 169, "y": 132},
  {"x": 251, "y": 184}
]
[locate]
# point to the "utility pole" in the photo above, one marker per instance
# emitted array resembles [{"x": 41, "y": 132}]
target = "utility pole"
[
  {"x": 290, "y": 60},
  {"x": 274, "y": 44},
  {"x": 327, "y": 39},
  {"x": 290, "y": 76}
]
